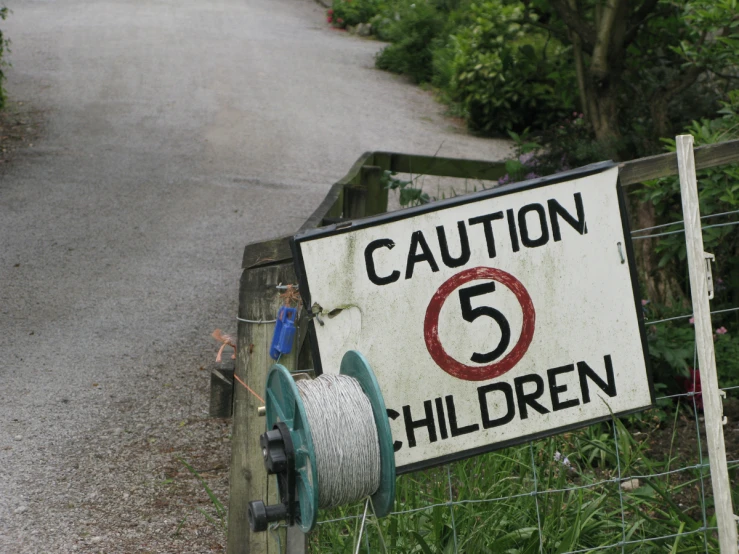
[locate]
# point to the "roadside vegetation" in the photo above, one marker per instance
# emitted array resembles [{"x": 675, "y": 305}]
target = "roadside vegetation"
[
  {"x": 593, "y": 477},
  {"x": 4, "y": 44},
  {"x": 637, "y": 71}
]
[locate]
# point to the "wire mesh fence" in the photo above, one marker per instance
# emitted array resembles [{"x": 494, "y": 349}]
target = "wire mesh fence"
[{"x": 635, "y": 484}]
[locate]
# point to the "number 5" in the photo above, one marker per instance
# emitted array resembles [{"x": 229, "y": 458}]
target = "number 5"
[{"x": 471, "y": 314}]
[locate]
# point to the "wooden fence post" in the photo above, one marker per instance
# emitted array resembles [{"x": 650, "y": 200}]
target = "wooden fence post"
[
  {"x": 259, "y": 301},
  {"x": 376, "y": 194},
  {"x": 712, "y": 405}
]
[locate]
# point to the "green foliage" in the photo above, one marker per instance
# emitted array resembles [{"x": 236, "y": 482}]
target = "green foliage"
[
  {"x": 672, "y": 353},
  {"x": 509, "y": 76},
  {"x": 413, "y": 37},
  {"x": 581, "y": 510},
  {"x": 718, "y": 193},
  {"x": 727, "y": 357},
  {"x": 559, "y": 148},
  {"x": 508, "y": 65},
  {"x": 409, "y": 194},
  {"x": 220, "y": 509},
  {"x": 4, "y": 44},
  {"x": 345, "y": 13}
]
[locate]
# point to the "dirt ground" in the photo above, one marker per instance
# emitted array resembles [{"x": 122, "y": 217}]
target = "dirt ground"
[{"x": 680, "y": 442}]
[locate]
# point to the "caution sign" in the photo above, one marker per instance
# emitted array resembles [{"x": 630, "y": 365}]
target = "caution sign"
[{"x": 489, "y": 319}]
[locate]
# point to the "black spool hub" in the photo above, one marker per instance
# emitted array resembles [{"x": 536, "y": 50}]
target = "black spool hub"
[{"x": 279, "y": 459}]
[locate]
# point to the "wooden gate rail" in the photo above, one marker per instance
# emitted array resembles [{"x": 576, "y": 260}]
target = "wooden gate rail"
[{"x": 266, "y": 264}]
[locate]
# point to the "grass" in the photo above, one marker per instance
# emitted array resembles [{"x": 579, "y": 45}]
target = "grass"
[
  {"x": 221, "y": 511},
  {"x": 580, "y": 504}
]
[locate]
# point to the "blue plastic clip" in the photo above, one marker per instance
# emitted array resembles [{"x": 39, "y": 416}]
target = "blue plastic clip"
[{"x": 282, "y": 340}]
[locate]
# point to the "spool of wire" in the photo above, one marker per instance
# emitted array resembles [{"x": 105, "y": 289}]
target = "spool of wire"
[
  {"x": 347, "y": 450},
  {"x": 337, "y": 437}
]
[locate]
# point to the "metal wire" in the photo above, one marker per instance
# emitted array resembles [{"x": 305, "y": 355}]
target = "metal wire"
[
  {"x": 688, "y": 316},
  {"x": 361, "y": 530},
  {"x": 257, "y": 321},
  {"x": 642, "y": 541},
  {"x": 700, "y": 450},
  {"x": 620, "y": 489},
  {"x": 709, "y": 216},
  {"x": 656, "y": 235},
  {"x": 614, "y": 480},
  {"x": 536, "y": 498}
]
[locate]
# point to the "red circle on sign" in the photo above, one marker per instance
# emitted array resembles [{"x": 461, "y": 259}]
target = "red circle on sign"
[{"x": 431, "y": 325}]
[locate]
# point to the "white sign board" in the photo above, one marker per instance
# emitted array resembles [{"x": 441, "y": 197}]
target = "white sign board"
[{"x": 488, "y": 319}]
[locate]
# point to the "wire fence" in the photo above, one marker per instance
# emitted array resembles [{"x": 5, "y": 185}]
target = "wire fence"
[{"x": 635, "y": 484}]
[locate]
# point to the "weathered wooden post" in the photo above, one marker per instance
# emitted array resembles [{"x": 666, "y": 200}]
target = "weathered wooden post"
[
  {"x": 221, "y": 389},
  {"x": 376, "y": 194},
  {"x": 712, "y": 406},
  {"x": 259, "y": 302}
]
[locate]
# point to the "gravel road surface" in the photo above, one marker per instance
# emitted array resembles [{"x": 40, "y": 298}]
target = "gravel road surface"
[{"x": 173, "y": 132}]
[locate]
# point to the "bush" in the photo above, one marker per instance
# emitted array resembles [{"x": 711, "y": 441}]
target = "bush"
[
  {"x": 414, "y": 36},
  {"x": 345, "y": 13},
  {"x": 508, "y": 77}
]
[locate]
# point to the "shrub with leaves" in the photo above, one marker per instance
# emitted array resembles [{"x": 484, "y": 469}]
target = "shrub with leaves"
[
  {"x": 508, "y": 76},
  {"x": 414, "y": 35},
  {"x": 409, "y": 194},
  {"x": 346, "y": 13}
]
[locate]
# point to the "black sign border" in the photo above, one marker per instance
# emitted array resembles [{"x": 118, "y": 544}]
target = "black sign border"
[{"x": 352, "y": 225}]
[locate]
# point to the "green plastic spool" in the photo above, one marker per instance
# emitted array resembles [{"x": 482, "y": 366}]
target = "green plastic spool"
[{"x": 283, "y": 403}]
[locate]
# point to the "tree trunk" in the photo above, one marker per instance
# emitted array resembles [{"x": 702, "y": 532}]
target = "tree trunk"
[{"x": 604, "y": 116}]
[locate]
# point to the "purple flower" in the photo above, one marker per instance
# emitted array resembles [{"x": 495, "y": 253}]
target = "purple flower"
[{"x": 526, "y": 158}]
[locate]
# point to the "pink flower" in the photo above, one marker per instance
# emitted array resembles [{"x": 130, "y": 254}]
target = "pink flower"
[
  {"x": 644, "y": 302},
  {"x": 692, "y": 320},
  {"x": 721, "y": 331}
]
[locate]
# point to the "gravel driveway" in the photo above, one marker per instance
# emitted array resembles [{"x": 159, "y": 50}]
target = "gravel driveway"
[{"x": 173, "y": 133}]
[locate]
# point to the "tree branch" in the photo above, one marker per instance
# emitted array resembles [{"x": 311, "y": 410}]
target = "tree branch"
[
  {"x": 599, "y": 62},
  {"x": 724, "y": 75},
  {"x": 640, "y": 17},
  {"x": 574, "y": 22},
  {"x": 679, "y": 84},
  {"x": 529, "y": 20}
]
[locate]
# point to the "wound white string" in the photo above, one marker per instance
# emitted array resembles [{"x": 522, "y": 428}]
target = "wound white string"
[{"x": 347, "y": 449}]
